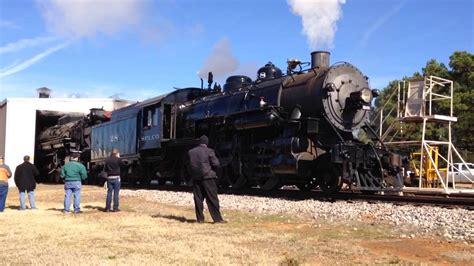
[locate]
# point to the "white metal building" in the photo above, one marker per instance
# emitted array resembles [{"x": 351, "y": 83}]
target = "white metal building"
[{"x": 19, "y": 118}]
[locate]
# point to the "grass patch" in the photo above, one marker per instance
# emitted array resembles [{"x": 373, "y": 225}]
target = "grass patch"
[{"x": 148, "y": 232}]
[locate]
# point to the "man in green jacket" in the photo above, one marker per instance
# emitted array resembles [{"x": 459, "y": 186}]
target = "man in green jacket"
[{"x": 73, "y": 172}]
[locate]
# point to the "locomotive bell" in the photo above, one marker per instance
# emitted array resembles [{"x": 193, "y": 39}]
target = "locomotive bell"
[{"x": 268, "y": 72}]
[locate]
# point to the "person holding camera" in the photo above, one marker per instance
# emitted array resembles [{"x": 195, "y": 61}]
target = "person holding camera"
[{"x": 112, "y": 166}]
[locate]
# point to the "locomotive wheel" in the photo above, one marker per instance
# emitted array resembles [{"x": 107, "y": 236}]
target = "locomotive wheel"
[
  {"x": 176, "y": 182},
  {"x": 235, "y": 176},
  {"x": 309, "y": 185},
  {"x": 270, "y": 183},
  {"x": 221, "y": 180},
  {"x": 329, "y": 179}
]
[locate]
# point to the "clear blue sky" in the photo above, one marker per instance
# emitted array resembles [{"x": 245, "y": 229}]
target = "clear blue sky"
[{"x": 140, "y": 49}]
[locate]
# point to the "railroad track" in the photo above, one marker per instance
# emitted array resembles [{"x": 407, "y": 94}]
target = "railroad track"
[{"x": 290, "y": 193}]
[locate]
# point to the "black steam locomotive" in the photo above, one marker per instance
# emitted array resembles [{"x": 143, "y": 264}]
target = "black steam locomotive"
[
  {"x": 295, "y": 129},
  {"x": 71, "y": 133}
]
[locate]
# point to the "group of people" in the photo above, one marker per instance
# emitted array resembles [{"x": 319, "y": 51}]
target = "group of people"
[
  {"x": 73, "y": 173},
  {"x": 202, "y": 165}
]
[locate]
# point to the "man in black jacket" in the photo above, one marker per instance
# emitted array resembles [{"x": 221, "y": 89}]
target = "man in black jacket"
[
  {"x": 202, "y": 160},
  {"x": 25, "y": 174},
  {"x": 112, "y": 168}
]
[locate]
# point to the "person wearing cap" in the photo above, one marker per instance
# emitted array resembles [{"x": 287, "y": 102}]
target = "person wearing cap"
[
  {"x": 73, "y": 172},
  {"x": 5, "y": 173},
  {"x": 25, "y": 174},
  {"x": 202, "y": 163},
  {"x": 112, "y": 166}
]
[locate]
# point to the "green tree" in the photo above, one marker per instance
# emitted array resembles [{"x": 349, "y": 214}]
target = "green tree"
[
  {"x": 434, "y": 68},
  {"x": 462, "y": 73}
]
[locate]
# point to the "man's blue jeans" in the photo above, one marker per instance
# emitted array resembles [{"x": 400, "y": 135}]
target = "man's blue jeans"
[
  {"x": 72, "y": 187},
  {"x": 31, "y": 198},
  {"x": 3, "y": 196},
  {"x": 112, "y": 185}
]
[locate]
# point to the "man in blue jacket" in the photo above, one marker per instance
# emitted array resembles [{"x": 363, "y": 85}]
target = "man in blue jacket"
[
  {"x": 73, "y": 172},
  {"x": 202, "y": 162}
]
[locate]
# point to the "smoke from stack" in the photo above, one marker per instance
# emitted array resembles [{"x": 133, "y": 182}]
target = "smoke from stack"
[
  {"x": 319, "y": 19},
  {"x": 220, "y": 62}
]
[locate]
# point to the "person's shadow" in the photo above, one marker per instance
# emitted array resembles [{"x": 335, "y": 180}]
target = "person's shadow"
[
  {"x": 102, "y": 209},
  {"x": 181, "y": 219},
  {"x": 55, "y": 209},
  {"x": 85, "y": 207}
]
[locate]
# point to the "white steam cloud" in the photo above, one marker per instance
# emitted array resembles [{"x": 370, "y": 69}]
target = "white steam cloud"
[
  {"x": 319, "y": 19},
  {"x": 86, "y": 18},
  {"x": 221, "y": 61}
]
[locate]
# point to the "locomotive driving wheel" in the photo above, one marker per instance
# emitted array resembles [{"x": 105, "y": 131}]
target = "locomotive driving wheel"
[
  {"x": 235, "y": 174},
  {"x": 329, "y": 180},
  {"x": 310, "y": 184},
  {"x": 269, "y": 183}
]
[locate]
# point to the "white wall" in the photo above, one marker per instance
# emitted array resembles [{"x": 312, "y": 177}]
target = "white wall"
[
  {"x": 20, "y": 124},
  {"x": 3, "y": 123}
]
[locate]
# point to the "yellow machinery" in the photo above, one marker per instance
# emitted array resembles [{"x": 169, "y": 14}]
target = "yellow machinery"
[{"x": 428, "y": 174}]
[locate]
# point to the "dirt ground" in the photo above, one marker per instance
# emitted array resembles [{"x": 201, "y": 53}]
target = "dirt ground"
[{"x": 147, "y": 232}]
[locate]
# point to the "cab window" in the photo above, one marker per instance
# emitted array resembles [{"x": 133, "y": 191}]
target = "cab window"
[
  {"x": 156, "y": 117},
  {"x": 149, "y": 118}
]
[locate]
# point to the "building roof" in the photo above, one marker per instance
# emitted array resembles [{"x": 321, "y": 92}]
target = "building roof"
[{"x": 53, "y": 100}]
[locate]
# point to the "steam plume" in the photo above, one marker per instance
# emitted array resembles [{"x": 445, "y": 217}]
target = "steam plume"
[
  {"x": 221, "y": 61},
  {"x": 319, "y": 19}
]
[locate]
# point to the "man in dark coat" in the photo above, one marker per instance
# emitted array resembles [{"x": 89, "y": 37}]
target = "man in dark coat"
[
  {"x": 112, "y": 168},
  {"x": 25, "y": 174},
  {"x": 202, "y": 162}
]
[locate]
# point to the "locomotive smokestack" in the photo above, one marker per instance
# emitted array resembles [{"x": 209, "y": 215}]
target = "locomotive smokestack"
[{"x": 320, "y": 59}]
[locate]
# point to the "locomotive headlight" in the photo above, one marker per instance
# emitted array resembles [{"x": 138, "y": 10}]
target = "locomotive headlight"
[{"x": 366, "y": 95}]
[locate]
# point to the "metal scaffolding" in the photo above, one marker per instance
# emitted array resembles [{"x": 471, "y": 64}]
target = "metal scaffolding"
[{"x": 420, "y": 105}]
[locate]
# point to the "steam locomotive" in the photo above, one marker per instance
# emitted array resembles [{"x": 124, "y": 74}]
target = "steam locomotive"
[{"x": 298, "y": 128}]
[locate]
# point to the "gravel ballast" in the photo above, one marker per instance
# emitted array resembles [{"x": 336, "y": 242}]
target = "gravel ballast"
[{"x": 451, "y": 224}]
